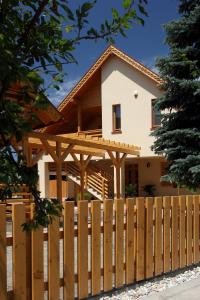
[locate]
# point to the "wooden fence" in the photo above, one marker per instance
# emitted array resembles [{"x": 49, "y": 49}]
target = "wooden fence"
[{"x": 99, "y": 247}]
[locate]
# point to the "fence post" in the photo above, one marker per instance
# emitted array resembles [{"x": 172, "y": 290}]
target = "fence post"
[
  {"x": 82, "y": 249},
  {"x": 19, "y": 253},
  {"x": 3, "y": 261},
  {"x": 140, "y": 251}
]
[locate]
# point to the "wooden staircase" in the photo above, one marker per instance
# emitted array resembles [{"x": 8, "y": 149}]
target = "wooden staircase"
[{"x": 97, "y": 182}]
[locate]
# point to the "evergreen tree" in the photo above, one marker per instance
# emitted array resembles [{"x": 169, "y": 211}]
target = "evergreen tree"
[{"x": 178, "y": 139}]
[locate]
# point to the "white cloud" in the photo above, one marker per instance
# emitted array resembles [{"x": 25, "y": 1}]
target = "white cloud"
[{"x": 56, "y": 96}]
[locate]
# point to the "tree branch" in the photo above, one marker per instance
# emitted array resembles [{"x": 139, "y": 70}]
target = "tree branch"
[{"x": 33, "y": 21}]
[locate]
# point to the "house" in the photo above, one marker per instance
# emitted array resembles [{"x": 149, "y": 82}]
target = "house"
[{"x": 114, "y": 101}]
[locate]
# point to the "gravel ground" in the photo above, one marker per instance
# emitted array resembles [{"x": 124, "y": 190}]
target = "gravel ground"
[{"x": 161, "y": 283}]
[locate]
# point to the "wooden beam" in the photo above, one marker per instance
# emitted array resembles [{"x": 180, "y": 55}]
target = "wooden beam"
[
  {"x": 49, "y": 149},
  {"x": 112, "y": 157},
  {"x": 118, "y": 176},
  {"x": 66, "y": 152},
  {"x": 82, "y": 172},
  {"x": 122, "y": 159},
  {"x": 36, "y": 143},
  {"x": 59, "y": 171},
  {"x": 76, "y": 160},
  {"x": 86, "y": 162},
  {"x": 35, "y": 160},
  {"x": 87, "y": 142}
]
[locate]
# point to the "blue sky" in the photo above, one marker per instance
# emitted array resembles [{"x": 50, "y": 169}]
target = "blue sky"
[{"x": 144, "y": 43}]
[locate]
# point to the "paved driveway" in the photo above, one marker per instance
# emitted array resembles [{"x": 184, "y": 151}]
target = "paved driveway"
[{"x": 189, "y": 290}]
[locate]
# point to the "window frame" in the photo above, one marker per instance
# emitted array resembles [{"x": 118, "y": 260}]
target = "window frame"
[
  {"x": 114, "y": 129},
  {"x": 153, "y": 125}
]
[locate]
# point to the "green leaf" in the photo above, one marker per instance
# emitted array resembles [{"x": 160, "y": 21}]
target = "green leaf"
[
  {"x": 115, "y": 14},
  {"x": 68, "y": 28},
  {"x": 126, "y": 3}
]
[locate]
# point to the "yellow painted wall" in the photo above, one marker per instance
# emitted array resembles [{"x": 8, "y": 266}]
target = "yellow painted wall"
[
  {"x": 151, "y": 175},
  {"x": 119, "y": 83}
]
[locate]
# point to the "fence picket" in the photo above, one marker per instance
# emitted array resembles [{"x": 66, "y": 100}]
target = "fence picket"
[
  {"x": 140, "y": 252},
  {"x": 19, "y": 252},
  {"x": 149, "y": 238},
  {"x": 158, "y": 236},
  {"x": 196, "y": 228},
  {"x": 189, "y": 229},
  {"x": 119, "y": 243},
  {"x": 155, "y": 235},
  {"x": 3, "y": 262},
  {"x": 53, "y": 260},
  {"x": 37, "y": 260},
  {"x": 166, "y": 232},
  {"x": 96, "y": 247},
  {"x": 68, "y": 270},
  {"x": 175, "y": 235},
  {"x": 82, "y": 249},
  {"x": 108, "y": 218},
  {"x": 182, "y": 231},
  {"x": 130, "y": 242}
]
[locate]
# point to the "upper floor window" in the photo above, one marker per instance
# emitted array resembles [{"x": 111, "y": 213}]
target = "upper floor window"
[
  {"x": 116, "y": 116},
  {"x": 156, "y": 115}
]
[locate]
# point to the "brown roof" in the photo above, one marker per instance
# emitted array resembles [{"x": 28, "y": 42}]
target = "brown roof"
[
  {"x": 47, "y": 116},
  {"x": 111, "y": 50}
]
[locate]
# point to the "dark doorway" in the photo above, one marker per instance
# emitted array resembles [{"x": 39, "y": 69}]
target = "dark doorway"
[{"x": 131, "y": 175}]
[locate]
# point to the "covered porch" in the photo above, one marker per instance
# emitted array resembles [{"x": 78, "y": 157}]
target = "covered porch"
[{"x": 81, "y": 149}]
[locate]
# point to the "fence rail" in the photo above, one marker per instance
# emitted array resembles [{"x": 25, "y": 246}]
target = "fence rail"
[{"x": 104, "y": 246}]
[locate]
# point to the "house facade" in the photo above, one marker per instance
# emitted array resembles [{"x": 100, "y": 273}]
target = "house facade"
[{"x": 114, "y": 101}]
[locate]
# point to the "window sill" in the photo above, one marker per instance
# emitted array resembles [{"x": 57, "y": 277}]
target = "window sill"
[
  {"x": 117, "y": 131},
  {"x": 154, "y": 127}
]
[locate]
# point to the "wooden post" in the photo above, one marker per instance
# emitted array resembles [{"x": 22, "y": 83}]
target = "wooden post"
[
  {"x": 59, "y": 171},
  {"x": 82, "y": 172},
  {"x": 118, "y": 190},
  {"x": 118, "y": 176},
  {"x": 82, "y": 164},
  {"x": 103, "y": 188},
  {"x": 85, "y": 179},
  {"x": 79, "y": 128}
]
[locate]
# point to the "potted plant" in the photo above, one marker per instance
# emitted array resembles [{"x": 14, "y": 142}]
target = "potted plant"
[
  {"x": 131, "y": 190},
  {"x": 149, "y": 190}
]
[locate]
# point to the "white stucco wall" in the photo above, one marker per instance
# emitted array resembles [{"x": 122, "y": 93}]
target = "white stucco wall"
[{"x": 119, "y": 81}]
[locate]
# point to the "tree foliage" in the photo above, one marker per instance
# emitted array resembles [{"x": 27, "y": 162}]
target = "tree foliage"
[
  {"x": 179, "y": 136},
  {"x": 37, "y": 37}
]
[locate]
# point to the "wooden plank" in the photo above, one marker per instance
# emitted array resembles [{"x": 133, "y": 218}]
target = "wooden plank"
[
  {"x": 175, "y": 235},
  {"x": 196, "y": 228},
  {"x": 28, "y": 266},
  {"x": 130, "y": 257},
  {"x": 53, "y": 260},
  {"x": 119, "y": 243},
  {"x": 96, "y": 246},
  {"x": 149, "y": 238},
  {"x": 59, "y": 172},
  {"x": 68, "y": 272},
  {"x": 140, "y": 250},
  {"x": 3, "y": 259},
  {"x": 82, "y": 249},
  {"x": 37, "y": 261},
  {"x": 108, "y": 218},
  {"x": 189, "y": 200},
  {"x": 19, "y": 252},
  {"x": 167, "y": 234},
  {"x": 182, "y": 231},
  {"x": 158, "y": 236}
]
